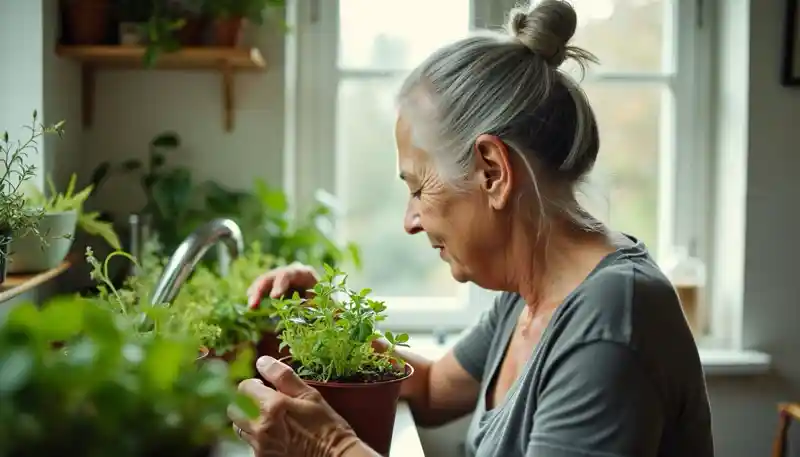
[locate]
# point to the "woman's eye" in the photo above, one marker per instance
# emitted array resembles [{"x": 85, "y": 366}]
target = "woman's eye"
[{"x": 416, "y": 194}]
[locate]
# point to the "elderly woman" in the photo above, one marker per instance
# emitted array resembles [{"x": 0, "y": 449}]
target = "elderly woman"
[{"x": 587, "y": 351}]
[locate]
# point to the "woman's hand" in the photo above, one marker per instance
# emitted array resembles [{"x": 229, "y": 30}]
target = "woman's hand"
[
  {"x": 294, "y": 421},
  {"x": 280, "y": 281}
]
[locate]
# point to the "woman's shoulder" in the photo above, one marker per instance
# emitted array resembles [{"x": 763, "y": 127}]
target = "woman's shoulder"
[{"x": 624, "y": 298}]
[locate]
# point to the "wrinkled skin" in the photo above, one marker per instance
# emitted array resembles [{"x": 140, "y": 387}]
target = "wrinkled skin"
[{"x": 294, "y": 421}]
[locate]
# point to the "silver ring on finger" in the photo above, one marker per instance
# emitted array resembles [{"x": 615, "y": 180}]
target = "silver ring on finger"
[{"x": 239, "y": 432}]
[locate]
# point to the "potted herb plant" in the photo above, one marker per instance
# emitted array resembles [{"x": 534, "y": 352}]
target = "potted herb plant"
[
  {"x": 330, "y": 337},
  {"x": 109, "y": 390},
  {"x": 47, "y": 246},
  {"x": 15, "y": 215},
  {"x": 228, "y": 16}
]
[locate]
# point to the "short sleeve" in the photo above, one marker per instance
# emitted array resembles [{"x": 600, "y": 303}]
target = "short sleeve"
[
  {"x": 597, "y": 401},
  {"x": 472, "y": 348}
]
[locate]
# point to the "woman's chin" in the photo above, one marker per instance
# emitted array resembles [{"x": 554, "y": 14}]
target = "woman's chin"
[{"x": 458, "y": 273}]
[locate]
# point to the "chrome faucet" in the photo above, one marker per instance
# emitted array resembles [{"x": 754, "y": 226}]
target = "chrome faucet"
[{"x": 191, "y": 250}]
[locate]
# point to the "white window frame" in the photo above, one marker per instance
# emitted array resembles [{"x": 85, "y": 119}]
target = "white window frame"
[{"x": 311, "y": 80}]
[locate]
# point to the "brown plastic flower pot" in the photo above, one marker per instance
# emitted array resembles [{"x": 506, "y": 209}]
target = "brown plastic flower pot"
[
  {"x": 270, "y": 344},
  {"x": 88, "y": 20},
  {"x": 227, "y": 31},
  {"x": 369, "y": 408}
]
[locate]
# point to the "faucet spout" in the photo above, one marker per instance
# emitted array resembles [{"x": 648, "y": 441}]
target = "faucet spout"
[{"x": 189, "y": 253}]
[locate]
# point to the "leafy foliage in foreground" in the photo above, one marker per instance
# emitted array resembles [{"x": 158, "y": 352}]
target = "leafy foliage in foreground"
[
  {"x": 110, "y": 390},
  {"x": 330, "y": 335}
]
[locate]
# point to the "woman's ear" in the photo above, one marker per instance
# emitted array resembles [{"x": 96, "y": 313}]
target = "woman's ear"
[{"x": 493, "y": 168}]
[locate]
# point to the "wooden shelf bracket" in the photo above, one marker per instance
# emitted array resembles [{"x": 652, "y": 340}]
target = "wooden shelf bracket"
[{"x": 226, "y": 61}]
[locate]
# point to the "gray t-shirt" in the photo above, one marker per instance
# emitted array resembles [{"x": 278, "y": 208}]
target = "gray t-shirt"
[{"x": 615, "y": 374}]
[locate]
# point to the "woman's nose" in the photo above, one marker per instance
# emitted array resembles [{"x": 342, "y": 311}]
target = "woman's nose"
[{"x": 411, "y": 222}]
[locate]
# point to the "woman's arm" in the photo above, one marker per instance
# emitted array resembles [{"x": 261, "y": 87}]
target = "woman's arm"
[
  {"x": 439, "y": 391},
  {"x": 446, "y": 389}
]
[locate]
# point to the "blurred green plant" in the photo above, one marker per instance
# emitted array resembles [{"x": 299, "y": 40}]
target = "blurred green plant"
[
  {"x": 252, "y": 10},
  {"x": 110, "y": 390},
  {"x": 177, "y": 205}
]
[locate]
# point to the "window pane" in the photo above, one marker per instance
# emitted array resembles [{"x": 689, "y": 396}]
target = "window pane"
[
  {"x": 625, "y": 35},
  {"x": 627, "y": 169},
  {"x": 396, "y": 35},
  {"x": 395, "y": 263}
]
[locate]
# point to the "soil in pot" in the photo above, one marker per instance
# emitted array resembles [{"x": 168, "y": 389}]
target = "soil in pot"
[
  {"x": 368, "y": 404},
  {"x": 88, "y": 20},
  {"x": 30, "y": 255},
  {"x": 5, "y": 245},
  {"x": 227, "y": 31}
]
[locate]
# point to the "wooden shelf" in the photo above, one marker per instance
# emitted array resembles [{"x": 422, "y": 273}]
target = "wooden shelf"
[
  {"x": 226, "y": 61},
  {"x": 17, "y": 284}
]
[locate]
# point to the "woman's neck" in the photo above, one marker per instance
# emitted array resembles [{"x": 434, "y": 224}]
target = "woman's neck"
[{"x": 547, "y": 268}]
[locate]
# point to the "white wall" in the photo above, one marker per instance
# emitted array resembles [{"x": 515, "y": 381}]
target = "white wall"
[{"x": 21, "y": 51}]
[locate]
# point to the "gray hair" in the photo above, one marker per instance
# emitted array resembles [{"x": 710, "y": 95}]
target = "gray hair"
[{"x": 508, "y": 84}]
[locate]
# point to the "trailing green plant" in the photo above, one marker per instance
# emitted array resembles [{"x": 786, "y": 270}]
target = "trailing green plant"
[
  {"x": 330, "y": 335},
  {"x": 16, "y": 216},
  {"x": 132, "y": 301},
  {"x": 70, "y": 200},
  {"x": 108, "y": 391},
  {"x": 252, "y": 10}
]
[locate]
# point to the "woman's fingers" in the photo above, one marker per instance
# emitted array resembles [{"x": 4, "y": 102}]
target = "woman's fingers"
[
  {"x": 245, "y": 436},
  {"x": 278, "y": 283},
  {"x": 283, "y": 378},
  {"x": 259, "y": 288}
]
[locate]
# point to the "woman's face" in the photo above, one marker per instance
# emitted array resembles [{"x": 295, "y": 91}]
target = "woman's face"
[{"x": 464, "y": 225}]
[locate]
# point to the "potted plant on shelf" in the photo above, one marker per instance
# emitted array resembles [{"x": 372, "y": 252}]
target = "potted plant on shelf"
[
  {"x": 133, "y": 16},
  {"x": 228, "y": 15},
  {"x": 330, "y": 337},
  {"x": 62, "y": 213},
  {"x": 109, "y": 390},
  {"x": 16, "y": 217},
  {"x": 88, "y": 21}
]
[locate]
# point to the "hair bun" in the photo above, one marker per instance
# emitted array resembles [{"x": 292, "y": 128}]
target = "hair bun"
[{"x": 545, "y": 28}]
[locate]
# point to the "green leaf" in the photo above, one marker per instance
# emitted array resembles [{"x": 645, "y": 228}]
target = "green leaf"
[
  {"x": 246, "y": 406},
  {"x": 166, "y": 140},
  {"x": 164, "y": 363},
  {"x": 244, "y": 365}
]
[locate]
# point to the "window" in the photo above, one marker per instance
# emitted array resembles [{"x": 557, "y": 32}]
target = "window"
[{"x": 351, "y": 55}]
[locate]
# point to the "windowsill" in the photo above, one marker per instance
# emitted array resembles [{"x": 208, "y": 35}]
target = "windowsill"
[{"x": 716, "y": 362}]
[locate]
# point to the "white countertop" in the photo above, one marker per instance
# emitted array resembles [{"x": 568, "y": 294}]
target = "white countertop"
[{"x": 405, "y": 439}]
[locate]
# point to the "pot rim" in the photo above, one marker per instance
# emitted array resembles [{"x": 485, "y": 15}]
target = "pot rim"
[
  {"x": 354, "y": 385},
  {"x": 204, "y": 352}
]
